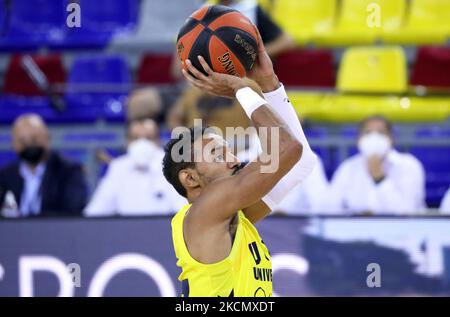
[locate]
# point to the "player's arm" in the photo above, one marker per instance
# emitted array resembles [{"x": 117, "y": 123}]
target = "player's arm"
[
  {"x": 223, "y": 198},
  {"x": 278, "y": 101}
]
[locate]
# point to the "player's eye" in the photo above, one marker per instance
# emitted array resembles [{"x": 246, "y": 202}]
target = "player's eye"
[{"x": 219, "y": 158}]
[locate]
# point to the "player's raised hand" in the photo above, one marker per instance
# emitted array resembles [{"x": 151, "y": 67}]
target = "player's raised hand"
[
  {"x": 262, "y": 71},
  {"x": 215, "y": 83}
]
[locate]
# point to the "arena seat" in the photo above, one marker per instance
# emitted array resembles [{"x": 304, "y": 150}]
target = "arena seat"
[
  {"x": 6, "y": 157},
  {"x": 304, "y": 19},
  {"x": 428, "y": 23},
  {"x": 302, "y": 68},
  {"x": 101, "y": 21},
  {"x": 335, "y": 108},
  {"x": 266, "y": 5},
  {"x": 33, "y": 24},
  {"x": 12, "y": 106},
  {"x": 432, "y": 68},
  {"x": 155, "y": 69},
  {"x": 18, "y": 82},
  {"x": 307, "y": 103},
  {"x": 357, "y": 22},
  {"x": 3, "y": 15},
  {"x": 373, "y": 70},
  {"x": 93, "y": 74}
]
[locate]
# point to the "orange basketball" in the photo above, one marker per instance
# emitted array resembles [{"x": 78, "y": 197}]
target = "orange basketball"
[{"x": 225, "y": 38}]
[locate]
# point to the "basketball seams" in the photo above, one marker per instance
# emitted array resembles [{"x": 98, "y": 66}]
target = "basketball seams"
[
  {"x": 231, "y": 46},
  {"x": 189, "y": 25},
  {"x": 193, "y": 57}
]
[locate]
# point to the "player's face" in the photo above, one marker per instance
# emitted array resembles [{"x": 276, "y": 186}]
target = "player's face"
[{"x": 216, "y": 161}]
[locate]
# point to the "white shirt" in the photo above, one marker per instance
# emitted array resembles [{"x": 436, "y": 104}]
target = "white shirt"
[
  {"x": 30, "y": 201},
  {"x": 128, "y": 191},
  {"x": 445, "y": 204},
  {"x": 308, "y": 197},
  {"x": 401, "y": 192}
]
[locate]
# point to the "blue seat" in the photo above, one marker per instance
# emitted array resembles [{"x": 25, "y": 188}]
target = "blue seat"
[
  {"x": 92, "y": 74},
  {"x": 88, "y": 95},
  {"x": 110, "y": 16},
  {"x": 7, "y": 157},
  {"x": 12, "y": 106},
  {"x": 33, "y": 24},
  {"x": 101, "y": 20},
  {"x": 2, "y": 18}
]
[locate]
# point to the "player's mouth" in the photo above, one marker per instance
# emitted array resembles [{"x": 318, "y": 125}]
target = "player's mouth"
[{"x": 238, "y": 168}]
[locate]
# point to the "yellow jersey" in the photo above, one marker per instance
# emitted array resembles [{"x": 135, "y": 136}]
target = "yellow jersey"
[{"x": 246, "y": 272}]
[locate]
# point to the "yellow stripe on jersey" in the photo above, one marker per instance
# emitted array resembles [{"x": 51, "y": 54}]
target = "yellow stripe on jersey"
[{"x": 246, "y": 272}]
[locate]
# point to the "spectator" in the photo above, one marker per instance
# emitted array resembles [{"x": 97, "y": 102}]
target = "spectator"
[
  {"x": 309, "y": 197},
  {"x": 275, "y": 39},
  {"x": 144, "y": 104},
  {"x": 445, "y": 204},
  {"x": 134, "y": 183},
  {"x": 379, "y": 179},
  {"x": 40, "y": 182}
]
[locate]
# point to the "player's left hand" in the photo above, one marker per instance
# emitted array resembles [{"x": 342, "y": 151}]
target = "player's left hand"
[{"x": 215, "y": 83}]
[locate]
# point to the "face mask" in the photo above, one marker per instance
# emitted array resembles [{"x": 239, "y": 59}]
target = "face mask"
[
  {"x": 32, "y": 154},
  {"x": 141, "y": 152},
  {"x": 374, "y": 143}
]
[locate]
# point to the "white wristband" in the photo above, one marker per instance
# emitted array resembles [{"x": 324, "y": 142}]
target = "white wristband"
[
  {"x": 277, "y": 96},
  {"x": 249, "y": 100}
]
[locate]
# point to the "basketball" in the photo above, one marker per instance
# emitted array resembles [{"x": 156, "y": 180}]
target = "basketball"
[{"x": 225, "y": 38}]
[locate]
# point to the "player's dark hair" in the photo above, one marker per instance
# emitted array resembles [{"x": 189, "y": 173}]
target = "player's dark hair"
[
  {"x": 171, "y": 168},
  {"x": 378, "y": 117}
]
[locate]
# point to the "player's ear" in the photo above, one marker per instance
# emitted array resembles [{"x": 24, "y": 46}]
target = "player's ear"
[{"x": 189, "y": 178}]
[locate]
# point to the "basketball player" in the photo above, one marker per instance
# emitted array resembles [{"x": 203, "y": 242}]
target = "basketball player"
[{"x": 218, "y": 248}]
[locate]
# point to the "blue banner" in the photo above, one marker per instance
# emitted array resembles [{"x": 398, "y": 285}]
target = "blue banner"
[{"x": 311, "y": 256}]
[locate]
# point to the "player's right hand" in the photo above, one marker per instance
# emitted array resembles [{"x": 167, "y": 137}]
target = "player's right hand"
[
  {"x": 215, "y": 83},
  {"x": 262, "y": 71}
]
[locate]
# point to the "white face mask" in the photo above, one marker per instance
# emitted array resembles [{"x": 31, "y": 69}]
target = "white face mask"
[
  {"x": 141, "y": 152},
  {"x": 374, "y": 143}
]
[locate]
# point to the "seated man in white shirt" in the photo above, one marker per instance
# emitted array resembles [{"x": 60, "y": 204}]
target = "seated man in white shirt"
[
  {"x": 307, "y": 198},
  {"x": 378, "y": 180},
  {"x": 134, "y": 184},
  {"x": 445, "y": 203}
]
